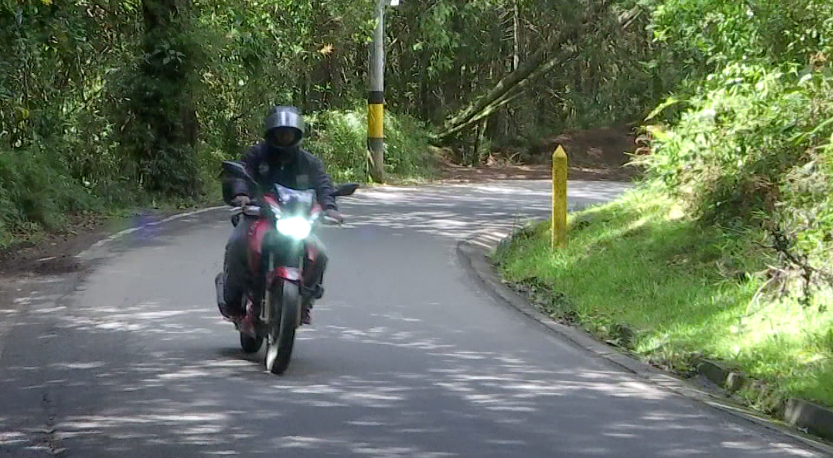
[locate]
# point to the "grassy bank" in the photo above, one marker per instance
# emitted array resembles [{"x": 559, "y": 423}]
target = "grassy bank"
[{"x": 686, "y": 290}]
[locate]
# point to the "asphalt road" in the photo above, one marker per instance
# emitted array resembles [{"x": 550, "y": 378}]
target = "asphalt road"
[{"x": 406, "y": 356}]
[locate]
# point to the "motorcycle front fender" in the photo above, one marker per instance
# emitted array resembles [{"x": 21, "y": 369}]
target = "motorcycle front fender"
[{"x": 282, "y": 273}]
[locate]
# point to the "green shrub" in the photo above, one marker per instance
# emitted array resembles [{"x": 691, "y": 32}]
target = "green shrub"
[
  {"x": 36, "y": 192},
  {"x": 747, "y": 147},
  {"x": 339, "y": 138},
  {"x": 745, "y": 132}
]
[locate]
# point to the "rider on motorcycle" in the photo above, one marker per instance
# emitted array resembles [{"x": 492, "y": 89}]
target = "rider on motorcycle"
[{"x": 278, "y": 159}]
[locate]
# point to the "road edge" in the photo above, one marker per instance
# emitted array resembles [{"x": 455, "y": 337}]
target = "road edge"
[
  {"x": 475, "y": 254},
  {"x": 86, "y": 254},
  {"x": 113, "y": 237}
]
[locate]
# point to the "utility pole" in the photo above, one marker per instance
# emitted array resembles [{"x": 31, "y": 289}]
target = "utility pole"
[{"x": 376, "y": 98}]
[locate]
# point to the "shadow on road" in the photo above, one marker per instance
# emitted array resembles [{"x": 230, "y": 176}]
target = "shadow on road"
[
  {"x": 458, "y": 211},
  {"x": 432, "y": 398}
]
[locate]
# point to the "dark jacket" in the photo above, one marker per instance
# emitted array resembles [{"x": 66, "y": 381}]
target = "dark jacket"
[{"x": 304, "y": 172}]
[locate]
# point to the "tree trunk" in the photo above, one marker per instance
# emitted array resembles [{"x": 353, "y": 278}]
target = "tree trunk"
[
  {"x": 162, "y": 102},
  {"x": 509, "y": 95},
  {"x": 479, "y": 151}
]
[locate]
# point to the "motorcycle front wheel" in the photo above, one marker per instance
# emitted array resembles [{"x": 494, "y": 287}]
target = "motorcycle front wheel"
[
  {"x": 285, "y": 308},
  {"x": 250, "y": 344}
]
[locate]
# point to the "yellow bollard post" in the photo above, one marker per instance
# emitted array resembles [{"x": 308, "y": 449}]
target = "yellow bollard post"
[{"x": 559, "y": 197}]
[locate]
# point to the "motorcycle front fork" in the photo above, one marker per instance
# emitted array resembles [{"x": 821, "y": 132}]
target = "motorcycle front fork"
[
  {"x": 308, "y": 296},
  {"x": 265, "y": 308}
]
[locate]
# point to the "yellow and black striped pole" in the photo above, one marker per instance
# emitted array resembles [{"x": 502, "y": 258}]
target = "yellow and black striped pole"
[
  {"x": 376, "y": 135},
  {"x": 376, "y": 99}
]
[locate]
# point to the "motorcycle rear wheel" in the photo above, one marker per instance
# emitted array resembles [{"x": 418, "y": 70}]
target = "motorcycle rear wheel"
[{"x": 285, "y": 304}]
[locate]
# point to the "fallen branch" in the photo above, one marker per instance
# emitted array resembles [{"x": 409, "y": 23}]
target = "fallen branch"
[
  {"x": 530, "y": 67},
  {"x": 513, "y": 85},
  {"x": 784, "y": 243},
  {"x": 514, "y": 93}
]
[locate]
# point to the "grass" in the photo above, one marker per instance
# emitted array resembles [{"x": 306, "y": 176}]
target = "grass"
[
  {"x": 686, "y": 290},
  {"x": 102, "y": 211}
]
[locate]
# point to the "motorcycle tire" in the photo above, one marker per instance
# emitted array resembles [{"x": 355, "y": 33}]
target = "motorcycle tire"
[
  {"x": 286, "y": 315},
  {"x": 250, "y": 344}
]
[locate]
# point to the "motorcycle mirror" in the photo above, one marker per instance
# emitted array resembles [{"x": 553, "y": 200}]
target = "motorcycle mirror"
[
  {"x": 237, "y": 169},
  {"x": 346, "y": 189}
]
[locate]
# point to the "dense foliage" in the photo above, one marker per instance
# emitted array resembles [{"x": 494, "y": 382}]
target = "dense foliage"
[
  {"x": 748, "y": 142},
  {"x": 104, "y": 103}
]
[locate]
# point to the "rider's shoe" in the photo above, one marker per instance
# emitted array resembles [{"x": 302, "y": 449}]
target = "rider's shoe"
[
  {"x": 247, "y": 324},
  {"x": 232, "y": 313},
  {"x": 306, "y": 315}
]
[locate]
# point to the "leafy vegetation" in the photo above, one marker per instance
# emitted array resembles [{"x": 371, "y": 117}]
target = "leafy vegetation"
[
  {"x": 122, "y": 101},
  {"x": 106, "y": 104},
  {"x": 752, "y": 146},
  {"x": 728, "y": 243},
  {"x": 339, "y": 137}
]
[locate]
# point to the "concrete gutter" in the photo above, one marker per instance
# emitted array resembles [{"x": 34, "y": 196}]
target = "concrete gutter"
[{"x": 801, "y": 414}]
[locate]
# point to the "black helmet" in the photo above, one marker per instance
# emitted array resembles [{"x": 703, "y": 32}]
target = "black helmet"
[{"x": 281, "y": 122}]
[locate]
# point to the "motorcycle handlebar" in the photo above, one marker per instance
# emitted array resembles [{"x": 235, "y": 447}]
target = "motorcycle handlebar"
[
  {"x": 254, "y": 210},
  {"x": 331, "y": 221}
]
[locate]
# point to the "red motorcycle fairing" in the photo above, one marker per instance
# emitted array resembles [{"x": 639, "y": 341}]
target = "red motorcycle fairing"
[{"x": 257, "y": 231}]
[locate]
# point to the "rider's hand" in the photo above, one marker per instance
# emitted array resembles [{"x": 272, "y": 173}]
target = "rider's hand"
[
  {"x": 334, "y": 215},
  {"x": 241, "y": 200}
]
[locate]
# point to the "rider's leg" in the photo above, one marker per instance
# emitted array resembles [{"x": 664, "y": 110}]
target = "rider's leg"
[
  {"x": 314, "y": 273},
  {"x": 235, "y": 268},
  {"x": 314, "y": 269}
]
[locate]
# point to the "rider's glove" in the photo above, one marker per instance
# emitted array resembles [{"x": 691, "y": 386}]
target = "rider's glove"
[
  {"x": 334, "y": 215},
  {"x": 241, "y": 200}
]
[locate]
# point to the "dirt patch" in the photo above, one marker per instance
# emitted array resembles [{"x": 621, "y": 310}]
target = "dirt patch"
[
  {"x": 54, "y": 253},
  {"x": 596, "y": 148},
  {"x": 453, "y": 173},
  {"x": 594, "y": 154}
]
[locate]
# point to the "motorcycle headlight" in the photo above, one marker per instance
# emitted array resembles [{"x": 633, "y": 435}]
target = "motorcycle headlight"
[{"x": 296, "y": 227}]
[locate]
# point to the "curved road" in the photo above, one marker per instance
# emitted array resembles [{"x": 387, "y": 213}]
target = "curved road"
[{"x": 406, "y": 356}]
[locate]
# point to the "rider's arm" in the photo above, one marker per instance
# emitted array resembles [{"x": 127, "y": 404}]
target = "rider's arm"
[
  {"x": 250, "y": 160},
  {"x": 322, "y": 183}
]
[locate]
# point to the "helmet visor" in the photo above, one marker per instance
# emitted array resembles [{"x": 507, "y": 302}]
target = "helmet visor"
[{"x": 283, "y": 137}]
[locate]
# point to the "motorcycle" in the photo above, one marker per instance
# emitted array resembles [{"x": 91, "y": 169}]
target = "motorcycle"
[{"x": 284, "y": 219}]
